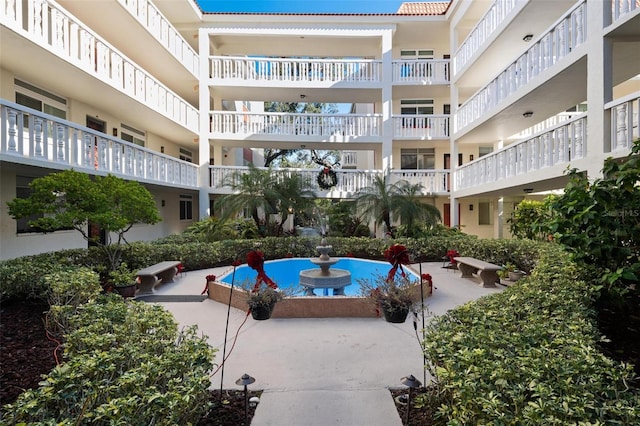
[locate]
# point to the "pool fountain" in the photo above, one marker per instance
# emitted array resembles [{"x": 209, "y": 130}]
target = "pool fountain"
[{"x": 324, "y": 277}]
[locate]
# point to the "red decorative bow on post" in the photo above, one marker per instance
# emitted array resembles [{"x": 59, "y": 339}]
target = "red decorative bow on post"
[
  {"x": 397, "y": 255},
  {"x": 427, "y": 278},
  {"x": 255, "y": 259}
]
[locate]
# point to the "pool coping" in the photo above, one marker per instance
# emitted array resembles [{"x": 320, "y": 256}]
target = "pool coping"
[{"x": 306, "y": 306}]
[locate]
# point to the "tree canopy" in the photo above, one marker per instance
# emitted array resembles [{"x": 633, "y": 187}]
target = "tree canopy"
[{"x": 71, "y": 199}]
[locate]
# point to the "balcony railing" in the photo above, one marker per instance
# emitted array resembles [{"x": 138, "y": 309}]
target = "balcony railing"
[
  {"x": 226, "y": 124},
  {"x": 295, "y": 70},
  {"x": 554, "y": 45},
  {"x": 433, "y": 182},
  {"x": 557, "y": 146},
  {"x": 620, "y": 8},
  {"x": 53, "y": 28},
  {"x": 625, "y": 121},
  {"x": 350, "y": 182},
  {"x": 421, "y": 126},
  {"x": 474, "y": 42},
  {"x": 421, "y": 71},
  {"x": 160, "y": 27},
  {"x": 31, "y": 137}
]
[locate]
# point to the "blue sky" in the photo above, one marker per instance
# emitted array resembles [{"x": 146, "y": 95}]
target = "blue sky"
[{"x": 301, "y": 6}]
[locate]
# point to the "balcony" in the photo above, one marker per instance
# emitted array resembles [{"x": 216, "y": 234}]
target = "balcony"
[
  {"x": 229, "y": 70},
  {"x": 558, "y": 42},
  {"x": 421, "y": 127},
  {"x": 484, "y": 29},
  {"x": 621, "y": 9},
  {"x": 421, "y": 72},
  {"x": 296, "y": 127},
  {"x": 350, "y": 182},
  {"x": 557, "y": 146},
  {"x": 625, "y": 122},
  {"x": 55, "y": 31},
  {"x": 32, "y": 138}
]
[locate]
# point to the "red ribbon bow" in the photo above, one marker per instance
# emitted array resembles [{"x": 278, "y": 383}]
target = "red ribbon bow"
[
  {"x": 255, "y": 259},
  {"x": 397, "y": 255}
]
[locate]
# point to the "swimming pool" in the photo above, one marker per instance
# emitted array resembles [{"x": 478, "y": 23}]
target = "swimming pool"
[{"x": 286, "y": 272}]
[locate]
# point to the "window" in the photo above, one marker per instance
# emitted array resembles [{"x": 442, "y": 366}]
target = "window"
[
  {"x": 186, "y": 155},
  {"x": 484, "y": 150},
  {"x": 40, "y": 100},
  {"x": 485, "y": 216},
  {"x": 186, "y": 207},
  {"x": 411, "y": 68},
  {"x": 416, "y": 106},
  {"x": 416, "y": 54},
  {"x": 131, "y": 134},
  {"x": 23, "y": 191},
  {"x": 417, "y": 158}
]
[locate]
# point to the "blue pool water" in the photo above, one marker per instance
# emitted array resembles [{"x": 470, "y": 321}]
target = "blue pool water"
[{"x": 286, "y": 272}]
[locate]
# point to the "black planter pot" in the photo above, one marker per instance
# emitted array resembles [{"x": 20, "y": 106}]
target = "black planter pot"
[
  {"x": 396, "y": 316},
  {"x": 261, "y": 312}
]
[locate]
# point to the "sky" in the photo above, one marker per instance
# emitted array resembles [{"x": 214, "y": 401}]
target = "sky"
[{"x": 301, "y": 6}]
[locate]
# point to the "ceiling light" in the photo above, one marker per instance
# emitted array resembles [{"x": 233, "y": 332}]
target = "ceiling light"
[
  {"x": 527, "y": 114},
  {"x": 303, "y": 96},
  {"x": 528, "y": 190},
  {"x": 527, "y": 38}
]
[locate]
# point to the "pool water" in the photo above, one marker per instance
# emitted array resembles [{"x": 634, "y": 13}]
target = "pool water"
[{"x": 286, "y": 273}]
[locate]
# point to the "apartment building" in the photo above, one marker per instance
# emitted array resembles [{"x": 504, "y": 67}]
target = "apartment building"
[{"x": 483, "y": 103}]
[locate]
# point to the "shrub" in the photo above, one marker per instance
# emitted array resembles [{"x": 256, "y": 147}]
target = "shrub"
[
  {"x": 126, "y": 363},
  {"x": 528, "y": 356}
]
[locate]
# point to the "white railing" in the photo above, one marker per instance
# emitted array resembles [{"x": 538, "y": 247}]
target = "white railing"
[
  {"x": 31, "y": 137},
  {"x": 625, "y": 121},
  {"x": 420, "y": 126},
  {"x": 295, "y": 70},
  {"x": 544, "y": 125},
  {"x": 555, "y": 44},
  {"x": 160, "y": 27},
  {"x": 560, "y": 145},
  {"x": 491, "y": 20},
  {"x": 286, "y": 124},
  {"x": 349, "y": 158},
  {"x": 620, "y": 8},
  {"x": 432, "y": 181},
  {"x": 350, "y": 182},
  {"x": 46, "y": 23},
  {"x": 421, "y": 71}
]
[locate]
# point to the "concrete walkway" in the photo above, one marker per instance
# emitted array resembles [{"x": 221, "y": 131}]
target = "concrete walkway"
[{"x": 331, "y": 371}]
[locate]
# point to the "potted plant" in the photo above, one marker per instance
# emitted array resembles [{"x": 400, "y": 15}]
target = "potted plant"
[
  {"x": 394, "y": 297},
  {"x": 123, "y": 280},
  {"x": 261, "y": 301},
  {"x": 509, "y": 271}
]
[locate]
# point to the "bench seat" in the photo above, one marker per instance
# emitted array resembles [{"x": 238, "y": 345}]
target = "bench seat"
[
  {"x": 488, "y": 272},
  {"x": 154, "y": 274}
]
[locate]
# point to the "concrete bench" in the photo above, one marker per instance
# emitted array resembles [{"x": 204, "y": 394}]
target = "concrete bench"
[
  {"x": 152, "y": 275},
  {"x": 488, "y": 272}
]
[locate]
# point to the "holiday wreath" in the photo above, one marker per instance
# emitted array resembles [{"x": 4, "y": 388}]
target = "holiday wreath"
[{"x": 327, "y": 178}]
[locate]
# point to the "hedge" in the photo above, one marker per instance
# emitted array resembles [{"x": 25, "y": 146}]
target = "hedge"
[{"x": 528, "y": 356}]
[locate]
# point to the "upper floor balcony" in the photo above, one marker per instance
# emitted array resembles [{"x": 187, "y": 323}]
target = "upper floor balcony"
[
  {"x": 280, "y": 126},
  {"x": 334, "y": 72},
  {"x": 42, "y": 34},
  {"x": 350, "y": 182},
  {"x": 546, "y": 52},
  {"x": 32, "y": 138},
  {"x": 555, "y": 147},
  {"x": 421, "y": 126},
  {"x": 625, "y": 122}
]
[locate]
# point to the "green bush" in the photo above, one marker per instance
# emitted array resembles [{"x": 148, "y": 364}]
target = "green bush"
[
  {"x": 528, "y": 356},
  {"x": 126, "y": 363}
]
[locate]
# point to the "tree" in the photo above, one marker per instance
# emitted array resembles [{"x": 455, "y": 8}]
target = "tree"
[
  {"x": 71, "y": 199},
  {"x": 264, "y": 194},
  {"x": 380, "y": 201},
  {"x": 530, "y": 219}
]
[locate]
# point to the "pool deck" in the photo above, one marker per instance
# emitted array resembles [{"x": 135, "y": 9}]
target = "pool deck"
[{"x": 318, "y": 371}]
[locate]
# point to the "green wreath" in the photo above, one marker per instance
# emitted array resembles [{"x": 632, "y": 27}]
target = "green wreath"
[{"x": 327, "y": 178}]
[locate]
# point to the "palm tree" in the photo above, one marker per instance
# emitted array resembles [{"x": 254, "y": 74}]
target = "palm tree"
[
  {"x": 264, "y": 193},
  {"x": 380, "y": 201},
  {"x": 254, "y": 191}
]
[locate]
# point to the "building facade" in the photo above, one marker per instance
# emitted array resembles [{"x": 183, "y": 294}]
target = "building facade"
[{"x": 483, "y": 103}]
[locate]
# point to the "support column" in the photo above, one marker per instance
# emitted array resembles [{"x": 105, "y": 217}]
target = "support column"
[
  {"x": 203, "y": 142},
  {"x": 387, "y": 96}
]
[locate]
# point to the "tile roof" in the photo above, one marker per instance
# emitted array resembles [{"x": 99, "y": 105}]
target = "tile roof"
[{"x": 423, "y": 8}]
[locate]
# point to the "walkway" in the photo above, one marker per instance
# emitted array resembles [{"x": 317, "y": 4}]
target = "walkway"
[{"x": 319, "y": 372}]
